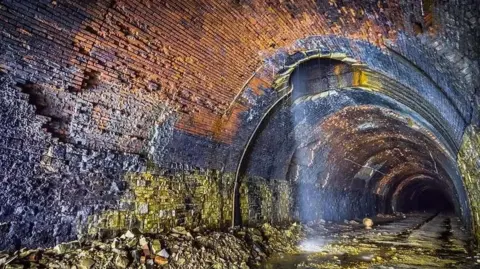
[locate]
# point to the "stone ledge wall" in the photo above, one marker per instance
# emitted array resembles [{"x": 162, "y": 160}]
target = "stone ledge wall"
[
  {"x": 54, "y": 191},
  {"x": 156, "y": 202},
  {"x": 266, "y": 201},
  {"x": 49, "y": 188},
  {"x": 469, "y": 164}
]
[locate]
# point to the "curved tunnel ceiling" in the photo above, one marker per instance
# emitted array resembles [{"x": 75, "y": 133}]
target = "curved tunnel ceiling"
[{"x": 319, "y": 75}]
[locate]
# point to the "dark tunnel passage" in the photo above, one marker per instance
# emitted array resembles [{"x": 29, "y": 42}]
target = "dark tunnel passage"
[
  {"x": 427, "y": 200},
  {"x": 433, "y": 200},
  {"x": 424, "y": 196}
]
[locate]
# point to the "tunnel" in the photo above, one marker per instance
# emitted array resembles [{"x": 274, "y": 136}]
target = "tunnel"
[
  {"x": 355, "y": 151},
  {"x": 239, "y": 134}
]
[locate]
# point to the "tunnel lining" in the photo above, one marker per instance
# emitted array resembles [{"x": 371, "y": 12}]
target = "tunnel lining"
[{"x": 309, "y": 97}]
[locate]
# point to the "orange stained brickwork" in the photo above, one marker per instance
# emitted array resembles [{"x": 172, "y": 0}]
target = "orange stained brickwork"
[
  {"x": 195, "y": 56},
  {"x": 201, "y": 53}
]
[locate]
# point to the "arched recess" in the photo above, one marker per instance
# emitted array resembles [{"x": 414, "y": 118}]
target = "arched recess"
[{"x": 348, "y": 84}]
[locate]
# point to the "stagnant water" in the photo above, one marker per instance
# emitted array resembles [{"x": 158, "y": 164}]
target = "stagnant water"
[{"x": 417, "y": 241}]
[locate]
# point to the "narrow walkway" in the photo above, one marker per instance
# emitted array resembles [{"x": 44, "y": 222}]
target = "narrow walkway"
[{"x": 417, "y": 241}]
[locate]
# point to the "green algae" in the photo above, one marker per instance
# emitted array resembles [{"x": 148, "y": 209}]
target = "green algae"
[
  {"x": 153, "y": 203},
  {"x": 468, "y": 157}
]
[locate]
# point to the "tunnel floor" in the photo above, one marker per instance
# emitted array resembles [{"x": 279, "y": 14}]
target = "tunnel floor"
[
  {"x": 411, "y": 241},
  {"x": 419, "y": 240}
]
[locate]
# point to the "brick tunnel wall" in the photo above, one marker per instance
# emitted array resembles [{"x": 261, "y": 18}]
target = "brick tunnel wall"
[
  {"x": 126, "y": 58},
  {"x": 96, "y": 93}
]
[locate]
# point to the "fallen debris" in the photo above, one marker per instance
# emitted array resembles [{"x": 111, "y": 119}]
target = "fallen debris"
[{"x": 237, "y": 248}]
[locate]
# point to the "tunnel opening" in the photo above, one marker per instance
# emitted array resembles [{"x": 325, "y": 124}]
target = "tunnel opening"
[
  {"x": 425, "y": 197},
  {"x": 353, "y": 150},
  {"x": 348, "y": 147},
  {"x": 433, "y": 200},
  {"x": 356, "y": 149}
]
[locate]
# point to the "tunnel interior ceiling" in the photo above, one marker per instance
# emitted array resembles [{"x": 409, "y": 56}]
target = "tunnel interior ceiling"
[
  {"x": 307, "y": 116},
  {"x": 350, "y": 146},
  {"x": 320, "y": 75}
]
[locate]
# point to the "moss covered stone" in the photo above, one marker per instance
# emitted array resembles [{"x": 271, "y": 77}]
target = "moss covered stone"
[
  {"x": 158, "y": 202},
  {"x": 469, "y": 164},
  {"x": 154, "y": 202},
  {"x": 265, "y": 201}
]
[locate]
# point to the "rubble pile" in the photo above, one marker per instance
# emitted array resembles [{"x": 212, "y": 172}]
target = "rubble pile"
[{"x": 178, "y": 248}]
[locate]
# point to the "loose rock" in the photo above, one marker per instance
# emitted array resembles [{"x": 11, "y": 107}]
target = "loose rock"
[
  {"x": 238, "y": 248},
  {"x": 368, "y": 223}
]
